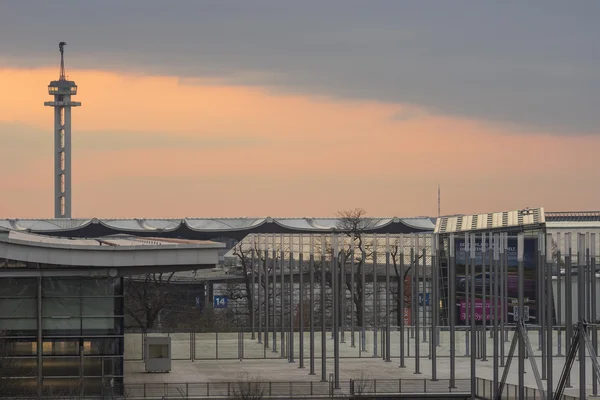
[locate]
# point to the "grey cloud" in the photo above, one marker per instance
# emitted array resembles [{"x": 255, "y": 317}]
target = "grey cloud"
[{"x": 532, "y": 63}]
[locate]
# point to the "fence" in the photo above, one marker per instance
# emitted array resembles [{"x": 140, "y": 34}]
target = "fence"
[
  {"x": 292, "y": 389},
  {"x": 354, "y": 388}
]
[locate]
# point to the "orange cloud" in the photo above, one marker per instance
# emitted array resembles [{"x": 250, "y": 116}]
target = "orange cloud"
[{"x": 160, "y": 146}]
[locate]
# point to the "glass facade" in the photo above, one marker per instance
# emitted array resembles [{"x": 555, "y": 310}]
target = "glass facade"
[{"x": 81, "y": 325}]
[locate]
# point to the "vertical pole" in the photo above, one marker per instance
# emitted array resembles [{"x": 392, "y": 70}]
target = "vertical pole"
[
  {"x": 388, "y": 294},
  {"x": 291, "y": 286},
  {"x": 267, "y": 293},
  {"x": 342, "y": 288},
  {"x": 559, "y": 303},
  {"x": 312, "y": 303},
  {"x": 549, "y": 306},
  {"x": 282, "y": 297},
  {"x": 468, "y": 279},
  {"x": 336, "y": 323},
  {"x": 581, "y": 311},
  {"x": 323, "y": 325},
  {"x": 375, "y": 352},
  {"x": 484, "y": 282},
  {"x": 502, "y": 279},
  {"x": 40, "y": 343},
  {"x": 253, "y": 293},
  {"x": 452, "y": 309},
  {"x": 495, "y": 242},
  {"x": 274, "y": 301},
  {"x": 569, "y": 296},
  {"x": 402, "y": 301},
  {"x": 520, "y": 245},
  {"x": 540, "y": 302},
  {"x": 435, "y": 306},
  {"x": 424, "y": 287},
  {"x": 416, "y": 313},
  {"x": 594, "y": 311},
  {"x": 363, "y": 297},
  {"x": 301, "y": 307},
  {"x": 472, "y": 249},
  {"x": 260, "y": 288},
  {"x": 352, "y": 290}
]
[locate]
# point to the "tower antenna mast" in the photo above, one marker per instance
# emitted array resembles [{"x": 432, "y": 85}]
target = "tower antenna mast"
[{"x": 61, "y": 47}]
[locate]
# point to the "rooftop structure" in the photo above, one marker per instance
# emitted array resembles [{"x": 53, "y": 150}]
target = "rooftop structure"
[
  {"x": 62, "y": 90},
  {"x": 208, "y": 228}
]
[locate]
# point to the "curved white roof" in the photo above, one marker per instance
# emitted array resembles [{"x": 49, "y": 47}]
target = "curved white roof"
[
  {"x": 223, "y": 224},
  {"x": 110, "y": 251},
  {"x": 203, "y": 224}
]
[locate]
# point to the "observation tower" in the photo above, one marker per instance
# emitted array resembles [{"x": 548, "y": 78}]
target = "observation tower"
[{"x": 62, "y": 90}]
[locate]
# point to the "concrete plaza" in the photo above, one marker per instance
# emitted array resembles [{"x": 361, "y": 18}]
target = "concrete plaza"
[{"x": 217, "y": 359}]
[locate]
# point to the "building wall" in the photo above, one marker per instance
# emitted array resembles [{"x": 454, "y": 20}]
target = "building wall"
[{"x": 81, "y": 333}]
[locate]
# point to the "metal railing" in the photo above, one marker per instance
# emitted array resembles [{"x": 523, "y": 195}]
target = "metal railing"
[
  {"x": 293, "y": 389},
  {"x": 484, "y": 390}
]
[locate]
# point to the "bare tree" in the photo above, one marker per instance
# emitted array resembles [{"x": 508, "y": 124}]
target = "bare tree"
[
  {"x": 247, "y": 388},
  {"x": 244, "y": 291},
  {"x": 146, "y": 296},
  {"x": 354, "y": 224}
]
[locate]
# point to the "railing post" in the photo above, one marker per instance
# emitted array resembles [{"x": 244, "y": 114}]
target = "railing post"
[
  {"x": 228, "y": 389},
  {"x": 311, "y": 388},
  {"x": 207, "y": 389},
  {"x": 400, "y": 384},
  {"x": 270, "y": 392}
]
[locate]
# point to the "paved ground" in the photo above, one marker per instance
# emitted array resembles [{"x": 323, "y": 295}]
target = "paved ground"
[{"x": 275, "y": 368}]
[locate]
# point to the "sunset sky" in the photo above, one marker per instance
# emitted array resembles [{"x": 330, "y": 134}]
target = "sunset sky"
[{"x": 281, "y": 108}]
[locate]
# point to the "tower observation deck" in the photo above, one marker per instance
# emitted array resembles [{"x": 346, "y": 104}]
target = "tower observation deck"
[{"x": 62, "y": 90}]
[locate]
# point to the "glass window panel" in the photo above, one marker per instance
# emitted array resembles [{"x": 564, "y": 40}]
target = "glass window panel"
[
  {"x": 57, "y": 326},
  {"x": 99, "y": 306},
  {"x": 61, "y": 307},
  {"x": 92, "y": 386},
  {"x": 92, "y": 366},
  {"x": 25, "y": 308},
  {"x": 22, "y": 287},
  {"x": 61, "y": 347},
  {"x": 10, "y": 326},
  {"x": 103, "y": 346},
  {"x": 18, "y": 347},
  {"x": 102, "y": 326},
  {"x": 113, "y": 366},
  {"x": 98, "y": 287},
  {"x": 20, "y": 366},
  {"x": 21, "y": 388},
  {"x": 57, "y": 387},
  {"x": 60, "y": 366},
  {"x": 61, "y": 287}
]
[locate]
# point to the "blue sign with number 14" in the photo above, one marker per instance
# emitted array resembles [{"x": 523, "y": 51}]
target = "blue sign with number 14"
[{"x": 220, "y": 302}]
